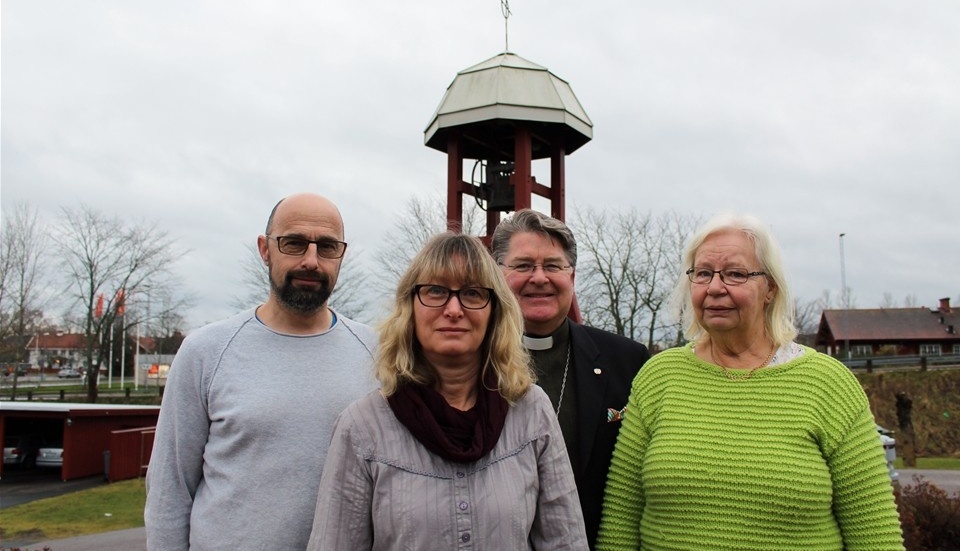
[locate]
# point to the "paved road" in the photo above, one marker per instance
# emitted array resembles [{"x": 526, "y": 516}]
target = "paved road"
[
  {"x": 134, "y": 539},
  {"x": 948, "y": 481}
]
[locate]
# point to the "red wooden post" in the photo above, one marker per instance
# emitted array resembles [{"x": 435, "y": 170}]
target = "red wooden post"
[{"x": 454, "y": 181}]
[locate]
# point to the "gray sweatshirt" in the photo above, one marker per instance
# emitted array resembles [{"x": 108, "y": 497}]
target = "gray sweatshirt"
[{"x": 246, "y": 419}]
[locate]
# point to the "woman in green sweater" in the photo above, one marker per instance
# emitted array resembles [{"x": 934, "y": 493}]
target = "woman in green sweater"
[{"x": 744, "y": 439}]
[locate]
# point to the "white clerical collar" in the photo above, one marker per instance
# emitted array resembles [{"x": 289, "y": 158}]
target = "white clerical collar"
[{"x": 538, "y": 343}]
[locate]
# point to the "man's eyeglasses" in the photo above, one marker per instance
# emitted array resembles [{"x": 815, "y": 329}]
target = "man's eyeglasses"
[
  {"x": 729, "y": 276},
  {"x": 529, "y": 267},
  {"x": 296, "y": 246},
  {"x": 437, "y": 296}
]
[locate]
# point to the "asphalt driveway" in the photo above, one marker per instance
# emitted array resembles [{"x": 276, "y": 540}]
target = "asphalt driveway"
[{"x": 23, "y": 486}]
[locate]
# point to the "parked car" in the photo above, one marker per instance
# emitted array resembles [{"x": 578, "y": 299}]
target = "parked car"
[
  {"x": 51, "y": 455},
  {"x": 18, "y": 369},
  {"x": 21, "y": 451},
  {"x": 889, "y": 450},
  {"x": 69, "y": 373}
]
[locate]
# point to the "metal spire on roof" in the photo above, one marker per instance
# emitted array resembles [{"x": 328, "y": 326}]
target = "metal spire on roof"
[{"x": 505, "y": 9}]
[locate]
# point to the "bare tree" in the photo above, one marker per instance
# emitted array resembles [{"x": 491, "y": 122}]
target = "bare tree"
[
  {"x": 254, "y": 279},
  {"x": 22, "y": 255},
  {"x": 629, "y": 264},
  {"x": 888, "y": 301},
  {"x": 612, "y": 270},
  {"x": 351, "y": 297},
  {"x": 107, "y": 262},
  {"x": 7, "y": 253},
  {"x": 807, "y": 315},
  {"x": 846, "y": 300},
  {"x": 421, "y": 219},
  {"x": 165, "y": 327},
  {"x": 910, "y": 301},
  {"x": 826, "y": 301},
  {"x": 664, "y": 251}
]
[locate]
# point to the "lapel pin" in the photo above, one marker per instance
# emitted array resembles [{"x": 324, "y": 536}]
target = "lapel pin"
[
  {"x": 614, "y": 415},
  {"x": 597, "y": 371}
]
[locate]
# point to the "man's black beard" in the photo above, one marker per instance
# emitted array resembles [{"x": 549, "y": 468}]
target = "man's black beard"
[{"x": 301, "y": 300}]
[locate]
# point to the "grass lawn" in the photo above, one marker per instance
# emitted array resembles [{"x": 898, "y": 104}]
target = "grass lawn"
[{"x": 117, "y": 506}]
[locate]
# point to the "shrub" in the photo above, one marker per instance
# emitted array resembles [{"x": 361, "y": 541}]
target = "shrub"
[{"x": 930, "y": 518}]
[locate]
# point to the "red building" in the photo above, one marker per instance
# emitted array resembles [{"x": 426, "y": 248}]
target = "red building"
[
  {"x": 891, "y": 331},
  {"x": 84, "y": 432}
]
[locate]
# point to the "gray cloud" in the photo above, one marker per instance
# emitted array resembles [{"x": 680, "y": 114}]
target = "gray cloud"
[{"x": 819, "y": 117}]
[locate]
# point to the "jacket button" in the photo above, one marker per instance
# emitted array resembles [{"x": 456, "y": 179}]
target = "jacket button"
[
  {"x": 463, "y": 505},
  {"x": 465, "y": 538}
]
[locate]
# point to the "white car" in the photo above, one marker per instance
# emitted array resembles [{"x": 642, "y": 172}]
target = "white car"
[
  {"x": 50, "y": 455},
  {"x": 20, "y": 451},
  {"x": 889, "y": 450}
]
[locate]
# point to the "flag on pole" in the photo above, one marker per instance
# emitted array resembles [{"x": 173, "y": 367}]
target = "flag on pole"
[{"x": 121, "y": 307}]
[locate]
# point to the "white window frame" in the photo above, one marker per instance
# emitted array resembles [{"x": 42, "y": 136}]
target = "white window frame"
[
  {"x": 861, "y": 350},
  {"x": 931, "y": 349}
]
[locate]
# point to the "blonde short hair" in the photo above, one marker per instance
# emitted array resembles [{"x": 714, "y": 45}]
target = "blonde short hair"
[
  {"x": 779, "y": 316},
  {"x": 461, "y": 258}
]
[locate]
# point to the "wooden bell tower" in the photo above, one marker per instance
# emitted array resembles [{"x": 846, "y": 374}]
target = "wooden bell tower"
[{"x": 504, "y": 113}]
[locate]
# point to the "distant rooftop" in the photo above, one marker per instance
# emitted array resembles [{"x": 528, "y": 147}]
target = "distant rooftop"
[
  {"x": 65, "y": 341},
  {"x": 892, "y": 323}
]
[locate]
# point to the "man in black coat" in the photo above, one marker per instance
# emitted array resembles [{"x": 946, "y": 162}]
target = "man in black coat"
[{"x": 586, "y": 372}]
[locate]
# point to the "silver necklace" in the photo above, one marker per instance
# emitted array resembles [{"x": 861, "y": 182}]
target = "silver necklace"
[{"x": 563, "y": 385}]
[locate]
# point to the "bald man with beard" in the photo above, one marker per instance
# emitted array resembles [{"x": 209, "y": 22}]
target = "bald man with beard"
[{"x": 250, "y": 401}]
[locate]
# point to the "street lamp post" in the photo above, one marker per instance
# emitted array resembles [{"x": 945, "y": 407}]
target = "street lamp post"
[{"x": 844, "y": 302}]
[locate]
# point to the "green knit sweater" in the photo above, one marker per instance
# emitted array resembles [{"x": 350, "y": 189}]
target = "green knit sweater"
[{"x": 788, "y": 458}]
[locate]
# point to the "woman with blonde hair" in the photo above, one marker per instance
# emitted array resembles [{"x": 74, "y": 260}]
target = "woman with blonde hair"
[
  {"x": 458, "y": 447},
  {"x": 744, "y": 439}
]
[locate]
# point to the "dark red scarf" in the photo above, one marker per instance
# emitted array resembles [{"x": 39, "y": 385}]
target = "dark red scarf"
[{"x": 459, "y": 436}]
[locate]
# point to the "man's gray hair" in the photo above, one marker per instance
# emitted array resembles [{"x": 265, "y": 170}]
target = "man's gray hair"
[{"x": 527, "y": 220}]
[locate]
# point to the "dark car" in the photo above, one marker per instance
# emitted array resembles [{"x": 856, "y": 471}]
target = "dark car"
[{"x": 21, "y": 451}]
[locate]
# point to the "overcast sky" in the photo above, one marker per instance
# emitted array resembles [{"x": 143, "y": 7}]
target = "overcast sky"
[{"x": 820, "y": 117}]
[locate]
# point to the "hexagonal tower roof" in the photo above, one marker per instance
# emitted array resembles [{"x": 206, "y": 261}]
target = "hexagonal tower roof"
[{"x": 483, "y": 100}]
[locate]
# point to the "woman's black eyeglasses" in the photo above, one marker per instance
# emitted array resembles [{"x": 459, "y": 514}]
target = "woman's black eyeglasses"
[{"x": 437, "y": 296}]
